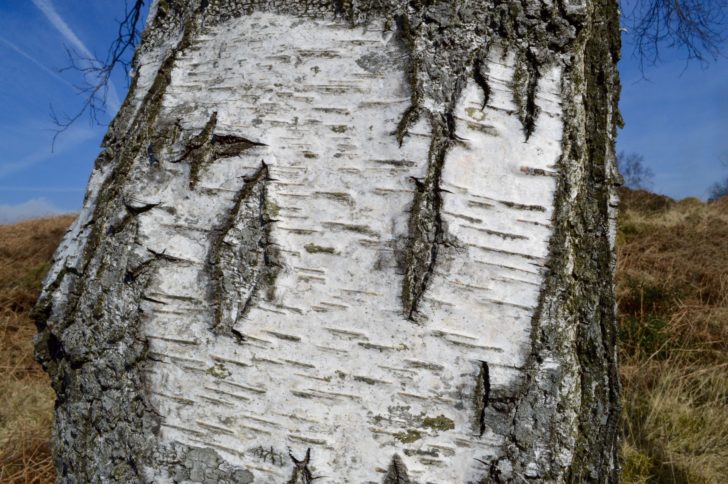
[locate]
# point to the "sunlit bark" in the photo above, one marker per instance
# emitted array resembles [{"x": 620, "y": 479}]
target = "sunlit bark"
[{"x": 347, "y": 242}]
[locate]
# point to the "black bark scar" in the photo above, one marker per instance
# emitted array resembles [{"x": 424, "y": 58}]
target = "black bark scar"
[
  {"x": 397, "y": 472},
  {"x": 482, "y": 397},
  {"x": 207, "y": 147},
  {"x": 243, "y": 259},
  {"x": 301, "y": 473}
]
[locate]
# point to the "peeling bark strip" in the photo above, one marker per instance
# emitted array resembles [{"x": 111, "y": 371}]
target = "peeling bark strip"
[{"x": 243, "y": 258}]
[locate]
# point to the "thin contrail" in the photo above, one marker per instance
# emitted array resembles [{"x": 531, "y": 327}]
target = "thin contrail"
[
  {"x": 35, "y": 61},
  {"x": 50, "y": 12},
  {"x": 28, "y": 188}
]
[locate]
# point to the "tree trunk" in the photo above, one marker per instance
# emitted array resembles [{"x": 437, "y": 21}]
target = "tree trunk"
[{"x": 347, "y": 241}]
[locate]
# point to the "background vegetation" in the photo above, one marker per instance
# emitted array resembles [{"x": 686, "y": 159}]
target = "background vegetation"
[
  {"x": 26, "y": 398},
  {"x": 672, "y": 287}
]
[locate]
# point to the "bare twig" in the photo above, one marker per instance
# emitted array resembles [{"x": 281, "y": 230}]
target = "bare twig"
[
  {"x": 695, "y": 26},
  {"x": 97, "y": 74}
]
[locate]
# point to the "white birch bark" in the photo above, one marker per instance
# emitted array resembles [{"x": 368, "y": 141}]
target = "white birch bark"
[{"x": 314, "y": 249}]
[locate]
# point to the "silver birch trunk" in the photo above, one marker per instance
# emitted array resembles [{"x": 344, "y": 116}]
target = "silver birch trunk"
[{"x": 347, "y": 241}]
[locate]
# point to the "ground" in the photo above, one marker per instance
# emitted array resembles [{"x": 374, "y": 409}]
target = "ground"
[{"x": 672, "y": 287}]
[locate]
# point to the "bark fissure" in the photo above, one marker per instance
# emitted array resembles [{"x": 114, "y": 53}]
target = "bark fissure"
[
  {"x": 397, "y": 472},
  {"x": 301, "y": 473},
  {"x": 243, "y": 258},
  {"x": 426, "y": 226},
  {"x": 207, "y": 147},
  {"x": 481, "y": 79},
  {"x": 525, "y": 85},
  {"x": 482, "y": 397}
]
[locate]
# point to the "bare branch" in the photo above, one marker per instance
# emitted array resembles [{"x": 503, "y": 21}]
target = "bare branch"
[
  {"x": 632, "y": 167},
  {"x": 694, "y": 26},
  {"x": 97, "y": 74}
]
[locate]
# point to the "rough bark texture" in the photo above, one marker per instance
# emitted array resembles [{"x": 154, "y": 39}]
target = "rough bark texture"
[{"x": 347, "y": 241}]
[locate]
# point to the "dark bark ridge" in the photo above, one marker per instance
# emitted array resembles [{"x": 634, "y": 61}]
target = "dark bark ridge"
[
  {"x": 397, "y": 472},
  {"x": 208, "y": 146},
  {"x": 482, "y": 398},
  {"x": 89, "y": 343},
  {"x": 301, "y": 472},
  {"x": 243, "y": 259},
  {"x": 576, "y": 313}
]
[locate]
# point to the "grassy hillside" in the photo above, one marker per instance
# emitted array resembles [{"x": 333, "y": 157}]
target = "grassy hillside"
[
  {"x": 26, "y": 399},
  {"x": 672, "y": 289}
]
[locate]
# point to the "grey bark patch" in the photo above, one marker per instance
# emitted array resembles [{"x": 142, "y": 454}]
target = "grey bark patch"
[
  {"x": 185, "y": 464},
  {"x": 578, "y": 291},
  {"x": 377, "y": 63},
  {"x": 243, "y": 260},
  {"x": 95, "y": 363}
]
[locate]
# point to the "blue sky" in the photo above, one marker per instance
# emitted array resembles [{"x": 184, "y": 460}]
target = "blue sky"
[{"x": 677, "y": 117}]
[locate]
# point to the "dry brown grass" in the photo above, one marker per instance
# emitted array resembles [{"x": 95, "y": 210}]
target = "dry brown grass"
[
  {"x": 26, "y": 399},
  {"x": 672, "y": 287}
]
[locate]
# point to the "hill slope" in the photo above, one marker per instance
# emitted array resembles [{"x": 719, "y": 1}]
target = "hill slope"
[
  {"x": 26, "y": 399},
  {"x": 672, "y": 288}
]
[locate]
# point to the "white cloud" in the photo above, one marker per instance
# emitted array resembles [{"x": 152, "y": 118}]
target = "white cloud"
[
  {"x": 33, "y": 208},
  {"x": 50, "y": 12}
]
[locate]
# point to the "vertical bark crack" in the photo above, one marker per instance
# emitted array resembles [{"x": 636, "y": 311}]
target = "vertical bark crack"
[
  {"x": 481, "y": 80},
  {"x": 301, "y": 473},
  {"x": 397, "y": 472},
  {"x": 425, "y": 224},
  {"x": 525, "y": 85},
  {"x": 482, "y": 397},
  {"x": 243, "y": 260}
]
